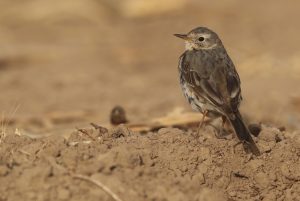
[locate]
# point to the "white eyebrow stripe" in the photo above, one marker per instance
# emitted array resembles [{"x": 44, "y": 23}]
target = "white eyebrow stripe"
[{"x": 206, "y": 35}]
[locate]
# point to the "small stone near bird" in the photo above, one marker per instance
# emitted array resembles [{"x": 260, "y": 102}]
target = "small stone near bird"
[
  {"x": 254, "y": 129},
  {"x": 118, "y": 116}
]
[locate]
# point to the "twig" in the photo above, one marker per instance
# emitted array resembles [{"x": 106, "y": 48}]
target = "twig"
[
  {"x": 86, "y": 133},
  {"x": 98, "y": 127},
  {"x": 24, "y": 152},
  {"x": 237, "y": 174},
  {"x": 43, "y": 147},
  {"x": 99, "y": 184}
]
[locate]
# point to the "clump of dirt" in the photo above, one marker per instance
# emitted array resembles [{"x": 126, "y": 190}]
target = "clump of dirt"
[{"x": 170, "y": 164}]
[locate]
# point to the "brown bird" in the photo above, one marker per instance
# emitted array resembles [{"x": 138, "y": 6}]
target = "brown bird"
[{"x": 211, "y": 83}]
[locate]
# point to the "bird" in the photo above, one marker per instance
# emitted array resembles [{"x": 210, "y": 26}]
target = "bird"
[{"x": 211, "y": 83}]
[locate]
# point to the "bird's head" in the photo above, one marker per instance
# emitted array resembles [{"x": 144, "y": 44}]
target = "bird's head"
[{"x": 200, "y": 38}]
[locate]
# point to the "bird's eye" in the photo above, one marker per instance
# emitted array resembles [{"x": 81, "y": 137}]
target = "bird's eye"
[{"x": 201, "y": 38}]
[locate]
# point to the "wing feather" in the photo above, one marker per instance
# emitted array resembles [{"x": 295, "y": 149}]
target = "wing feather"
[{"x": 219, "y": 85}]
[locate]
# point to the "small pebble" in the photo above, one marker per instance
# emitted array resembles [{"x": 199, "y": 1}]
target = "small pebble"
[
  {"x": 118, "y": 116},
  {"x": 254, "y": 129}
]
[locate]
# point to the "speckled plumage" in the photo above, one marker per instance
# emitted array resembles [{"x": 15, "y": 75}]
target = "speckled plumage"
[
  {"x": 207, "y": 77},
  {"x": 210, "y": 81}
]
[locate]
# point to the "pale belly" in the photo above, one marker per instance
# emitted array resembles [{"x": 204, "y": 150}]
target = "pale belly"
[{"x": 197, "y": 103}]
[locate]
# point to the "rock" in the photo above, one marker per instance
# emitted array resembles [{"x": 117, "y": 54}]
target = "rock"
[
  {"x": 118, "y": 116},
  {"x": 254, "y": 129}
]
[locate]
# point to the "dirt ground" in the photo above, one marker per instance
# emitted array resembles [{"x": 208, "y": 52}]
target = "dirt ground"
[
  {"x": 65, "y": 64},
  {"x": 170, "y": 164}
]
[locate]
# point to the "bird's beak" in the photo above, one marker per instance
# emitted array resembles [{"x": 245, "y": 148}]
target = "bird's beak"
[{"x": 182, "y": 36}]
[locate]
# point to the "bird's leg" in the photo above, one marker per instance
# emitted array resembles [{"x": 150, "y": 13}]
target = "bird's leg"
[
  {"x": 224, "y": 119},
  {"x": 202, "y": 121}
]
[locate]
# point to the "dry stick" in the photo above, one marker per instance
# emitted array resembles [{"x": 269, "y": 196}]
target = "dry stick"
[
  {"x": 24, "y": 152},
  {"x": 99, "y": 184},
  {"x": 86, "y": 133},
  {"x": 98, "y": 127}
]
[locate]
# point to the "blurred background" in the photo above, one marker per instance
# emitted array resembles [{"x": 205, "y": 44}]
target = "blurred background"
[{"x": 71, "y": 61}]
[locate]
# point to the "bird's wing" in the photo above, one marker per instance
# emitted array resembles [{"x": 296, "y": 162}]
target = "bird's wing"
[
  {"x": 233, "y": 88},
  {"x": 199, "y": 82},
  {"x": 215, "y": 81}
]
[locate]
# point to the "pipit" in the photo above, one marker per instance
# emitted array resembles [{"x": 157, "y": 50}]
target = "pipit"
[{"x": 211, "y": 83}]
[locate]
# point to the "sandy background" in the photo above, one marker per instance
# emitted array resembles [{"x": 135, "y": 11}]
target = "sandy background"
[{"x": 64, "y": 64}]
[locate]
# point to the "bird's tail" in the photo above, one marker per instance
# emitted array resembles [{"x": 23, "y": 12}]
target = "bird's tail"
[{"x": 242, "y": 132}]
